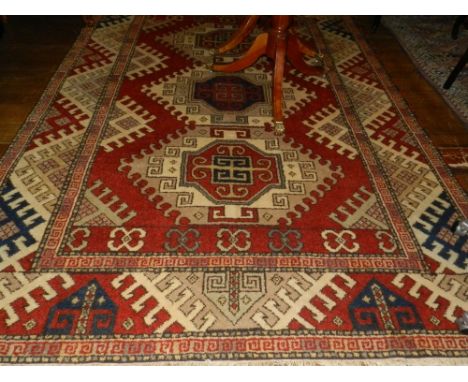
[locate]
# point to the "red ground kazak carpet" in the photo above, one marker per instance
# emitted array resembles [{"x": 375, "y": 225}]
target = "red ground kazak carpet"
[{"x": 148, "y": 213}]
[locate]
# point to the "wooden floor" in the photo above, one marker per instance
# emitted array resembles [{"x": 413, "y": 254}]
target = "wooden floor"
[
  {"x": 442, "y": 125},
  {"x": 30, "y": 51},
  {"x": 33, "y": 47}
]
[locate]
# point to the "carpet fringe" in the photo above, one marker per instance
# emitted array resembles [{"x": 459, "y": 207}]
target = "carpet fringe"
[{"x": 333, "y": 362}]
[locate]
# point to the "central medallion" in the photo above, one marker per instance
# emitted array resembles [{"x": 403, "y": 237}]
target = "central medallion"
[
  {"x": 205, "y": 97},
  {"x": 231, "y": 175},
  {"x": 234, "y": 172}
]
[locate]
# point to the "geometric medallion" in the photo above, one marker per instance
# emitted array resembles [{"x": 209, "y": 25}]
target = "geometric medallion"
[
  {"x": 210, "y": 176},
  {"x": 206, "y": 97},
  {"x": 231, "y": 171},
  {"x": 229, "y": 93},
  {"x": 198, "y": 42}
]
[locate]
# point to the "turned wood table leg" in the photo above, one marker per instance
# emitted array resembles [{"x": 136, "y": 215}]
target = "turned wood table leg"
[
  {"x": 279, "y": 44},
  {"x": 456, "y": 71},
  {"x": 241, "y": 34},
  {"x": 295, "y": 53},
  {"x": 277, "y": 49},
  {"x": 257, "y": 49}
]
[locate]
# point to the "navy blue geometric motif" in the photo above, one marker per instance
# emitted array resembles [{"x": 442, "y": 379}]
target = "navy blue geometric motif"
[
  {"x": 17, "y": 219},
  {"x": 378, "y": 308},
  {"x": 436, "y": 220},
  {"x": 232, "y": 169},
  {"x": 228, "y": 93},
  {"x": 87, "y": 311}
]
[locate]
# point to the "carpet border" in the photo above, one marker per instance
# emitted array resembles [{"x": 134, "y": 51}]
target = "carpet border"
[
  {"x": 99, "y": 123},
  {"x": 397, "y": 361},
  {"x": 449, "y": 360},
  {"x": 369, "y": 158},
  {"x": 441, "y": 169},
  {"x": 227, "y": 348}
]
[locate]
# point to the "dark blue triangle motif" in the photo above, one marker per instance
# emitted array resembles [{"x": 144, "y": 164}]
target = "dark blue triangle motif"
[
  {"x": 378, "y": 308},
  {"x": 88, "y": 311}
]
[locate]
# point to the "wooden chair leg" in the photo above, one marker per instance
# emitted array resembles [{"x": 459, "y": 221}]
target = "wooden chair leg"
[
  {"x": 376, "y": 23},
  {"x": 257, "y": 49},
  {"x": 456, "y": 26},
  {"x": 456, "y": 71},
  {"x": 241, "y": 34}
]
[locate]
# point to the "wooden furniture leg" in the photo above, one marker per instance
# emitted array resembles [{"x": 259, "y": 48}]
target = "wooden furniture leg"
[
  {"x": 279, "y": 43},
  {"x": 247, "y": 26},
  {"x": 257, "y": 49},
  {"x": 296, "y": 51},
  {"x": 456, "y": 71},
  {"x": 277, "y": 46},
  {"x": 456, "y": 26},
  {"x": 376, "y": 23}
]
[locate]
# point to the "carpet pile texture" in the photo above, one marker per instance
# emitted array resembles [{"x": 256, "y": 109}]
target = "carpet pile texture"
[{"x": 148, "y": 213}]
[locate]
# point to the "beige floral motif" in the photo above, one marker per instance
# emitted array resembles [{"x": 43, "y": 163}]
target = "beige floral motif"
[
  {"x": 228, "y": 239},
  {"x": 128, "y": 239},
  {"x": 342, "y": 240}
]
